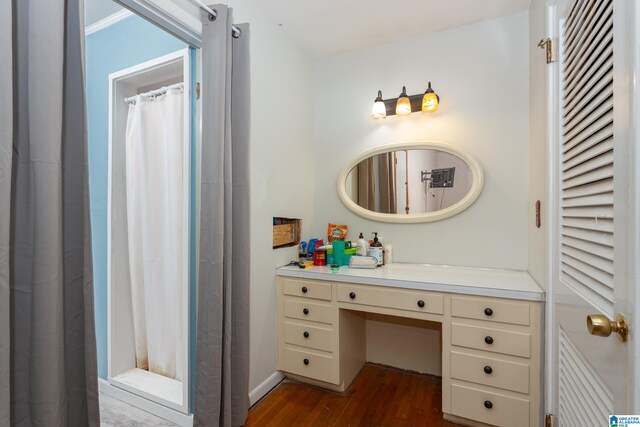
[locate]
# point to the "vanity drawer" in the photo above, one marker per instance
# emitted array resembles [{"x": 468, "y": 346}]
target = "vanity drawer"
[
  {"x": 307, "y": 310},
  {"x": 489, "y": 339},
  {"x": 307, "y": 289},
  {"x": 308, "y": 336},
  {"x": 492, "y": 372},
  {"x": 515, "y": 313},
  {"x": 487, "y": 407},
  {"x": 311, "y": 365},
  {"x": 391, "y": 298}
]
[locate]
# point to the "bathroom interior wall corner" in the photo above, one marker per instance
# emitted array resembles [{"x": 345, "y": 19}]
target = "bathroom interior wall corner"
[
  {"x": 538, "y": 166},
  {"x": 481, "y": 72},
  {"x": 282, "y": 166}
]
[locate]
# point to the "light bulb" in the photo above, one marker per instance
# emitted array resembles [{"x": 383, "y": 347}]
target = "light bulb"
[
  {"x": 403, "y": 106},
  {"x": 430, "y": 101},
  {"x": 379, "y": 110}
]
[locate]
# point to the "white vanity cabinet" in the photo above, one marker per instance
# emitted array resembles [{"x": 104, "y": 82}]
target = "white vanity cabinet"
[
  {"x": 308, "y": 329},
  {"x": 494, "y": 355},
  {"x": 491, "y": 332}
]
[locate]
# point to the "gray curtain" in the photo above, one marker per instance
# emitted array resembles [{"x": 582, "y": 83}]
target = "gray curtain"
[
  {"x": 222, "y": 349},
  {"x": 387, "y": 183},
  {"x": 366, "y": 184},
  {"x": 6, "y": 137},
  {"x": 46, "y": 261},
  {"x": 377, "y": 183}
]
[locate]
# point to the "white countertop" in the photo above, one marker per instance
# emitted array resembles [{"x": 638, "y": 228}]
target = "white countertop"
[{"x": 489, "y": 282}]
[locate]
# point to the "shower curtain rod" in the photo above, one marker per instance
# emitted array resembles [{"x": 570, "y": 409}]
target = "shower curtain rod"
[
  {"x": 155, "y": 92},
  {"x": 234, "y": 30}
]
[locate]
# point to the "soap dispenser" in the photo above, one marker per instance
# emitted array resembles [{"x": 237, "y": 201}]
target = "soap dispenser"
[
  {"x": 376, "y": 250},
  {"x": 361, "y": 246}
]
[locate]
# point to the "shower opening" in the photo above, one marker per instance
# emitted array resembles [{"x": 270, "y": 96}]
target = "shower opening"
[{"x": 148, "y": 229}]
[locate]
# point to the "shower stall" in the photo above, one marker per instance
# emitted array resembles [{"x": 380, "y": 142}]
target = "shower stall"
[{"x": 148, "y": 230}]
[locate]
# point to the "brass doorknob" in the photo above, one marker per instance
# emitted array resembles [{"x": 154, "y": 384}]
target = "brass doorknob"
[{"x": 601, "y": 326}]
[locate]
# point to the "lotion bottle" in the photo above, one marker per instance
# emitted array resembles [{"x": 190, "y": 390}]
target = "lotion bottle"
[
  {"x": 361, "y": 246},
  {"x": 376, "y": 250}
]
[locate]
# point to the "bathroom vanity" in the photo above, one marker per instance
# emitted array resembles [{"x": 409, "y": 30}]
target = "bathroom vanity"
[{"x": 492, "y": 323}]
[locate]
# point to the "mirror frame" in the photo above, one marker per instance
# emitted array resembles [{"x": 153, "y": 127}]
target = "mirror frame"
[{"x": 472, "y": 195}]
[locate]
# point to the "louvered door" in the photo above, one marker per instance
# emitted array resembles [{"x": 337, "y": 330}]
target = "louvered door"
[
  {"x": 590, "y": 256},
  {"x": 587, "y": 150}
]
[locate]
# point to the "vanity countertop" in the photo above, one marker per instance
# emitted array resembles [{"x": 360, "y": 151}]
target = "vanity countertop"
[{"x": 513, "y": 284}]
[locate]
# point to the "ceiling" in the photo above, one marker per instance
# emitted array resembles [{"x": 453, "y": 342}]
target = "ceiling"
[
  {"x": 95, "y": 10},
  {"x": 328, "y": 27}
]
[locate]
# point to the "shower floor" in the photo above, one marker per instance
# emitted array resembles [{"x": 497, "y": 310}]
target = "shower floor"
[{"x": 145, "y": 383}]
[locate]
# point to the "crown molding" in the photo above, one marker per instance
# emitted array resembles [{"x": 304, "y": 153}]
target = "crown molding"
[{"x": 108, "y": 21}]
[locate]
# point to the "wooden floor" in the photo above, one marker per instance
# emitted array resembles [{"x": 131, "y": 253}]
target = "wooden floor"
[{"x": 379, "y": 396}]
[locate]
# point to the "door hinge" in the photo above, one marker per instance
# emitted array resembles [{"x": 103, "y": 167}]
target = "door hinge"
[
  {"x": 547, "y": 45},
  {"x": 548, "y": 420}
]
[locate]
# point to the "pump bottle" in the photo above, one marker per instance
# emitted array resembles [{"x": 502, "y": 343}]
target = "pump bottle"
[{"x": 376, "y": 250}]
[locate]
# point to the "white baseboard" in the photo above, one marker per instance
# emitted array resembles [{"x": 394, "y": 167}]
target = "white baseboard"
[
  {"x": 174, "y": 416},
  {"x": 265, "y": 387},
  {"x": 146, "y": 405}
]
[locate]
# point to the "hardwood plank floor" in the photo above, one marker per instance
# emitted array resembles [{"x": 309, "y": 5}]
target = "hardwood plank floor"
[{"x": 379, "y": 397}]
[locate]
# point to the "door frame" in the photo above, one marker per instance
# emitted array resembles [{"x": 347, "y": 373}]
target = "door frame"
[
  {"x": 117, "y": 115},
  {"x": 631, "y": 54},
  {"x": 633, "y": 46},
  {"x": 180, "y": 18}
]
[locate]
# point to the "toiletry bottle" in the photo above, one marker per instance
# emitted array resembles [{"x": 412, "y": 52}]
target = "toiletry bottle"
[
  {"x": 376, "y": 250},
  {"x": 302, "y": 250},
  {"x": 388, "y": 254},
  {"x": 361, "y": 247}
]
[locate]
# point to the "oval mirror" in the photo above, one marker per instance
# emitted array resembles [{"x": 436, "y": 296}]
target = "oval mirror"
[{"x": 411, "y": 182}]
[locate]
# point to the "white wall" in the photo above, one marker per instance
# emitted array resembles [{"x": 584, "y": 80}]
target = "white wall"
[
  {"x": 281, "y": 156},
  {"x": 388, "y": 338},
  {"x": 480, "y": 72},
  {"x": 537, "y": 140}
]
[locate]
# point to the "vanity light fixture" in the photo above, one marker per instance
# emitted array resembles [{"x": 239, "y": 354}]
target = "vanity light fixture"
[
  {"x": 379, "y": 110},
  {"x": 404, "y": 105},
  {"x": 430, "y": 101}
]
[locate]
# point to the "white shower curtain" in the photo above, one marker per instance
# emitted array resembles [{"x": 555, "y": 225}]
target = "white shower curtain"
[{"x": 156, "y": 231}]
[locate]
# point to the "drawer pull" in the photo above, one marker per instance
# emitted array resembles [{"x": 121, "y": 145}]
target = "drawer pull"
[
  {"x": 305, "y": 311},
  {"x": 306, "y": 334},
  {"x": 488, "y": 404},
  {"x": 421, "y": 304},
  {"x": 304, "y": 289},
  {"x": 305, "y": 361},
  {"x": 488, "y": 370},
  {"x": 488, "y": 311},
  {"x": 352, "y": 295},
  {"x": 488, "y": 340}
]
